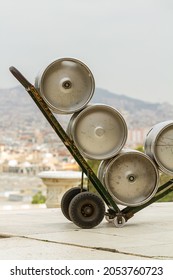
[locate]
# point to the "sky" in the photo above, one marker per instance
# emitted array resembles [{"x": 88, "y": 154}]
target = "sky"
[{"x": 127, "y": 44}]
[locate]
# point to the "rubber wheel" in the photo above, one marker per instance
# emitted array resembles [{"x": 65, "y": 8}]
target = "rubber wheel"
[
  {"x": 66, "y": 199},
  {"x": 86, "y": 210}
]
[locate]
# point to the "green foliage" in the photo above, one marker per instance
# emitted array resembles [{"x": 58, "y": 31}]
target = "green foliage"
[
  {"x": 94, "y": 164},
  {"x": 38, "y": 198},
  {"x": 140, "y": 148},
  {"x": 163, "y": 179},
  {"x": 167, "y": 198}
]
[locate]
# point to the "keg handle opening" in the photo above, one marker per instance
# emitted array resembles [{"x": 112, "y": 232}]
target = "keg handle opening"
[
  {"x": 131, "y": 178},
  {"x": 67, "y": 84}
]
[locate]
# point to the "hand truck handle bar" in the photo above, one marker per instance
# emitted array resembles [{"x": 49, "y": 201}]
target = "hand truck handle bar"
[{"x": 20, "y": 77}]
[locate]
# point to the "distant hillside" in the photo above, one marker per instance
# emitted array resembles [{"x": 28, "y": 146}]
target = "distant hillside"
[
  {"x": 137, "y": 113},
  {"x": 122, "y": 101},
  {"x": 16, "y": 106}
]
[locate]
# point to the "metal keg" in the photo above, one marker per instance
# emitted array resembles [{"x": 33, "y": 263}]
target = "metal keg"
[
  {"x": 131, "y": 177},
  {"x": 66, "y": 85},
  {"x": 99, "y": 131},
  {"x": 159, "y": 146}
]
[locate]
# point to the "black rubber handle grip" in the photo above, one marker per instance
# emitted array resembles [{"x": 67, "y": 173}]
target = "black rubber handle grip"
[{"x": 20, "y": 77}]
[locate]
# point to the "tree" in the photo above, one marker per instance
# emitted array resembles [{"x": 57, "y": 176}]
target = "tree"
[{"x": 38, "y": 198}]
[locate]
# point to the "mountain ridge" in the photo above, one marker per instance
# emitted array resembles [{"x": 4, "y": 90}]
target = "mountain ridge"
[{"x": 16, "y": 104}]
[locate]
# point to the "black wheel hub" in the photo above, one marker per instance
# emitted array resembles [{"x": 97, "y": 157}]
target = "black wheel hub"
[{"x": 87, "y": 210}]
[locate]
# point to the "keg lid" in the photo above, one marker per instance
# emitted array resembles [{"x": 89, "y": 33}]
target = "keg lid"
[
  {"x": 131, "y": 178},
  {"x": 163, "y": 149},
  {"x": 99, "y": 131},
  {"x": 66, "y": 85},
  {"x": 159, "y": 145}
]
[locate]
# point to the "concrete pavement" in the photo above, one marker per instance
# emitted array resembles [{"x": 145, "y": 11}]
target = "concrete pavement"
[{"x": 38, "y": 234}]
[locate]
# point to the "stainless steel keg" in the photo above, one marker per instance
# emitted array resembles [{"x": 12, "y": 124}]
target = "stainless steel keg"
[
  {"x": 131, "y": 177},
  {"x": 99, "y": 131},
  {"x": 159, "y": 146},
  {"x": 66, "y": 85}
]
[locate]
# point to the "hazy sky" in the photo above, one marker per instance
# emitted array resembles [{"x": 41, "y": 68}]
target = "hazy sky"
[{"x": 127, "y": 44}]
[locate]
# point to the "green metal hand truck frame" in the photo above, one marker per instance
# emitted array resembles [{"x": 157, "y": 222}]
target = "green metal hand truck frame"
[{"x": 83, "y": 208}]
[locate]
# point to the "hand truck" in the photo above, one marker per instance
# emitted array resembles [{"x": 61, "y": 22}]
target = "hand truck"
[{"x": 83, "y": 208}]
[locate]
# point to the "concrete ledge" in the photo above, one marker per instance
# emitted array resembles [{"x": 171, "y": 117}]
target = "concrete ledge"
[{"x": 47, "y": 234}]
